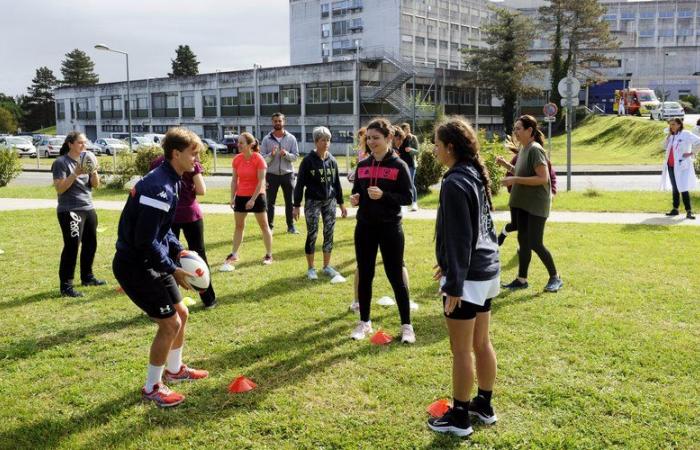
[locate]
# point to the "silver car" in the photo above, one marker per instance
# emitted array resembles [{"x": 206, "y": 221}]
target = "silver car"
[
  {"x": 50, "y": 147},
  {"x": 22, "y": 145},
  {"x": 667, "y": 110},
  {"x": 111, "y": 146}
]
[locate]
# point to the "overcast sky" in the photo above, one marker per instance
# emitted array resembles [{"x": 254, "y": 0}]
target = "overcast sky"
[{"x": 224, "y": 34}]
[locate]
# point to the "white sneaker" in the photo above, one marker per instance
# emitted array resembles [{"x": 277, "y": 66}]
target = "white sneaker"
[
  {"x": 355, "y": 306},
  {"x": 311, "y": 274},
  {"x": 413, "y": 305},
  {"x": 361, "y": 330},
  {"x": 414, "y": 206},
  {"x": 338, "y": 279},
  {"x": 408, "y": 336},
  {"x": 386, "y": 301},
  {"x": 226, "y": 267}
]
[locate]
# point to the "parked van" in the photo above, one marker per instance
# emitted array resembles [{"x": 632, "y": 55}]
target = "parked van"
[{"x": 637, "y": 101}]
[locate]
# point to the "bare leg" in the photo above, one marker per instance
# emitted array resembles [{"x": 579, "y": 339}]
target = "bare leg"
[
  {"x": 238, "y": 231},
  {"x": 326, "y": 259},
  {"x": 484, "y": 352},
  {"x": 265, "y": 229},
  {"x": 183, "y": 313},
  {"x": 461, "y": 333},
  {"x": 310, "y": 260},
  {"x": 168, "y": 330}
]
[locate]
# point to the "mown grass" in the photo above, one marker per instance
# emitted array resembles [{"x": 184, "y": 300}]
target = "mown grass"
[
  {"x": 611, "y": 140},
  {"x": 590, "y": 200},
  {"x": 609, "y": 362}
]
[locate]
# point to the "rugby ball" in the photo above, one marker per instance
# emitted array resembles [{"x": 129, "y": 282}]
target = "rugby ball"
[
  {"x": 88, "y": 161},
  {"x": 191, "y": 262}
]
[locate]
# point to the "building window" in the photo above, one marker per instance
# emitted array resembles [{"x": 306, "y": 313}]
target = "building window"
[
  {"x": 356, "y": 25},
  {"x": 341, "y": 27},
  {"x": 246, "y": 98},
  {"x": 420, "y": 40},
  {"x": 60, "y": 110},
  {"x": 485, "y": 97},
  {"x": 406, "y": 38},
  {"x": 432, "y": 43},
  {"x": 325, "y": 9},
  {"x": 209, "y": 100},
  {"x": 341, "y": 94},
  {"x": 187, "y": 100},
  {"x": 325, "y": 30},
  {"x": 443, "y": 44},
  {"x": 289, "y": 97},
  {"x": 228, "y": 101},
  {"x": 325, "y": 49},
  {"x": 269, "y": 98},
  {"x": 114, "y": 128},
  {"x": 317, "y": 95},
  {"x": 161, "y": 129},
  {"x": 165, "y": 104}
]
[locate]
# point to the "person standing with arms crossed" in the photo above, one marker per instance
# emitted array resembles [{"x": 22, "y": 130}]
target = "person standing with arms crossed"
[
  {"x": 280, "y": 150},
  {"x": 145, "y": 264}
]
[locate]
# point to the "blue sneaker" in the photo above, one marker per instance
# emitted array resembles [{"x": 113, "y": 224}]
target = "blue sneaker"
[{"x": 311, "y": 274}]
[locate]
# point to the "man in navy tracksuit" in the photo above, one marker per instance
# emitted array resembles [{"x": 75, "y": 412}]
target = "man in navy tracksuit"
[{"x": 145, "y": 264}]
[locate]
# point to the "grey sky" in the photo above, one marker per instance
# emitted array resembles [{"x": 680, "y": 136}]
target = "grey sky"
[{"x": 224, "y": 34}]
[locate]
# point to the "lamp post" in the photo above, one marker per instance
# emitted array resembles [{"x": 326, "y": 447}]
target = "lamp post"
[
  {"x": 663, "y": 72},
  {"x": 128, "y": 93},
  {"x": 256, "y": 100}
]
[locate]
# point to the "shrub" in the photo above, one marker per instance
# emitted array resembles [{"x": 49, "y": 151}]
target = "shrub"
[
  {"x": 687, "y": 106},
  {"x": 10, "y": 165},
  {"x": 428, "y": 169},
  {"x": 145, "y": 155},
  {"x": 490, "y": 149},
  {"x": 126, "y": 170}
]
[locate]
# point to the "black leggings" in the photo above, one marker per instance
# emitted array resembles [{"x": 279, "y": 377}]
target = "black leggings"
[
  {"x": 530, "y": 235},
  {"x": 513, "y": 224},
  {"x": 676, "y": 194},
  {"x": 77, "y": 227},
  {"x": 194, "y": 233},
  {"x": 389, "y": 239}
]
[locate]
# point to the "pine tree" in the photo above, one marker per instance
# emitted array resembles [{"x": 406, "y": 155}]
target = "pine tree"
[
  {"x": 185, "y": 63},
  {"x": 38, "y": 104},
  {"x": 8, "y": 124},
  {"x": 78, "y": 69},
  {"x": 503, "y": 66}
]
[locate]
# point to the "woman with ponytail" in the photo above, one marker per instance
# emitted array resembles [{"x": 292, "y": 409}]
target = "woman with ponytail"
[
  {"x": 468, "y": 269},
  {"x": 248, "y": 195},
  {"x": 530, "y": 200},
  {"x": 76, "y": 214}
]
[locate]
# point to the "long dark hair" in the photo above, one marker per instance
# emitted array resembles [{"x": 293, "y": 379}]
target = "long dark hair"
[
  {"x": 457, "y": 131},
  {"x": 530, "y": 122},
  {"x": 680, "y": 124},
  {"x": 70, "y": 138}
]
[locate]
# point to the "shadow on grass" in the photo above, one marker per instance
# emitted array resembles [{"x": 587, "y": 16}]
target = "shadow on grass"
[
  {"x": 23, "y": 301},
  {"x": 91, "y": 295}
]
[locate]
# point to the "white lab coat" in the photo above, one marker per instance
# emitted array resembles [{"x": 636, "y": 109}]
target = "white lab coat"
[{"x": 684, "y": 171}]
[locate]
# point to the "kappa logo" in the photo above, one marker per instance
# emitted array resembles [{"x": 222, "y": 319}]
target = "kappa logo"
[
  {"x": 163, "y": 195},
  {"x": 165, "y": 309}
]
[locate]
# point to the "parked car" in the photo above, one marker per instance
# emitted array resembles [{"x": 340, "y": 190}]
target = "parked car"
[
  {"x": 55, "y": 142},
  {"x": 36, "y": 138},
  {"x": 50, "y": 147},
  {"x": 23, "y": 146},
  {"x": 212, "y": 145},
  {"x": 111, "y": 146},
  {"x": 153, "y": 137},
  {"x": 231, "y": 142},
  {"x": 141, "y": 141},
  {"x": 94, "y": 148},
  {"x": 120, "y": 136},
  {"x": 667, "y": 110}
]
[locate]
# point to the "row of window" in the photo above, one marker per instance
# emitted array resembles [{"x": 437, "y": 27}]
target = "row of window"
[
  {"x": 340, "y": 47},
  {"x": 342, "y": 27},
  {"x": 341, "y": 8},
  {"x": 662, "y": 14}
]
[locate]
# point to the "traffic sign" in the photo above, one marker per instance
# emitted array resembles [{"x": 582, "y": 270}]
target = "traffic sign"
[
  {"x": 550, "y": 109},
  {"x": 566, "y": 102},
  {"x": 569, "y": 87},
  {"x": 550, "y": 119}
]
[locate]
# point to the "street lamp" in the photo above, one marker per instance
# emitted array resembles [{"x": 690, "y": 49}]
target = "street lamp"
[
  {"x": 128, "y": 91},
  {"x": 663, "y": 71}
]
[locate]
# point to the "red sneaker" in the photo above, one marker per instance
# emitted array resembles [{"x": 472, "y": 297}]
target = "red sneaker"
[
  {"x": 184, "y": 374},
  {"x": 163, "y": 396}
]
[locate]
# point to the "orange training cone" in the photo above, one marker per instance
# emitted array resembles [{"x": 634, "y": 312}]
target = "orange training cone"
[
  {"x": 381, "y": 338},
  {"x": 438, "y": 408},
  {"x": 120, "y": 289},
  {"x": 241, "y": 384}
]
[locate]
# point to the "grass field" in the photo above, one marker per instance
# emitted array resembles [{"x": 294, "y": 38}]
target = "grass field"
[
  {"x": 609, "y": 362},
  {"x": 591, "y": 200},
  {"x": 612, "y": 140}
]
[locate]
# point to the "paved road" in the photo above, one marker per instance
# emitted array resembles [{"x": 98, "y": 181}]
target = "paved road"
[{"x": 579, "y": 182}]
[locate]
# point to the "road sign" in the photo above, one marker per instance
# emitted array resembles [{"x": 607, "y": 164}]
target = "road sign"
[
  {"x": 569, "y": 87},
  {"x": 550, "y": 110},
  {"x": 567, "y": 102},
  {"x": 550, "y": 119}
]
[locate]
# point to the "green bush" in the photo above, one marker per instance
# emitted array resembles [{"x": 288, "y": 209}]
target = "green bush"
[
  {"x": 687, "y": 106},
  {"x": 10, "y": 165},
  {"x": 145, "y": 155},
  {"x": 428, "y": 169},
  {"x": 490, "y": 149},
  {"x": 126, "y": 170}
]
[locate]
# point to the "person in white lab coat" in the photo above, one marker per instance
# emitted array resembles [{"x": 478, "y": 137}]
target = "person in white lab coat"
[{"x": 678, "y": 171}]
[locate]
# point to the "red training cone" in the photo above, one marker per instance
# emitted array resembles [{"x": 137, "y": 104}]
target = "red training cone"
[
  {"x": 381, "y": 338},
  {"x": 438, "y": 408},
  {"x": 241, "y": 384},
  {"x": 120, "y": 289}
]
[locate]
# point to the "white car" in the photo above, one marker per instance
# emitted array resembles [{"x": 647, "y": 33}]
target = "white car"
[
  {"x": 23, "y": 146},
  {"x": 111, "y": 146},
  {"x": 50, "y": 147},
  {"x": 667, "y": 110}
]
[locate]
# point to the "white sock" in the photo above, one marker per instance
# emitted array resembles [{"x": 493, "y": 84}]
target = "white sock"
[
  {"x": 174, "y": 360},
  {"x": 155, "y": 374}
]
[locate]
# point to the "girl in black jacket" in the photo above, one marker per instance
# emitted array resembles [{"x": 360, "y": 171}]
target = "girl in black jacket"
[
  {"x": 382, "y": 185},
  {"x": 468, "y": 268}
]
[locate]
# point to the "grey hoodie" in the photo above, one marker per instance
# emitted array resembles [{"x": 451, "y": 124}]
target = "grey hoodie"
[
  {"x": 278, "y": 165},
  {"x": 465, "y": 236}
]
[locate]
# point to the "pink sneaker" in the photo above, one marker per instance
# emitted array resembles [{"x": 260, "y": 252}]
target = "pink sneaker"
[
  {"x": 184, "y": 374},
  {"x": 162, "y": 396}
]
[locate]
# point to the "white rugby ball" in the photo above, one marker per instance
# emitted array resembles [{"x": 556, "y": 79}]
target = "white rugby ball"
[
  {"x": 88, "y": 161},
  {"x": 191, "y": 262}
]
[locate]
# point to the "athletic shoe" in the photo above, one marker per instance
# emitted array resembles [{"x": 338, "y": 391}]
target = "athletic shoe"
[
  {"x": 413, "y": 305},
  {"x": 184, "y": 374},
  {"x": 292, "y": 230},
  {"x": 673, "y": 212},
  {"x": 689, "y": 215},
  {"x": 554, "y": 284},
  {"x": 267, "y": 260},
  {"x": 232, "y": 258},
  {"x": 211, "y": 305},
  {"x": 330, "y": 272},
  {"x": 311, "y": 274},
  {"x": 228, "y": 266},
  {"x": 483, "y": 411},
  {"x": 414, "y": 206},
  {"x": 408, "y": 336},
  {"x": 454, "y": 421},
  {"x": 69, "y": 291},
  {"x": 163, "y": 396},
  {"x": 361, "y": 330},
  {"x": 92, "y": 281},
  {"x": 355, "y": 306},
  {"x": 501, "y": 238},
  {"x": 515, "y": 285}
]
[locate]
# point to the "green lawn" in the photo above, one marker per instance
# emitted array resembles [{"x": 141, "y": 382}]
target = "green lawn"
[
  {"x": 609, "y": 362},
  {"x": 611, "y": 140},
  {"x": 595, "y": 201}
]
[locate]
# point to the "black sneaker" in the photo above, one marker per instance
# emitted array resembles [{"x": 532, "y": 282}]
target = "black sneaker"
[
  {"x": 673, "y": 212},
  {"x": 554, "y": 284},
  {"x": 515, "y": 285},
  {"x": 689, "y": 215},
  {"x": 455, "y": 421},
  {"x": 69, "y": 291},
  {"x": 483, "y": 411},
  {"x": 93, "y": 282},
  {"x": 501, "y": 238},
  {"x": 211, "y": 305}
]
